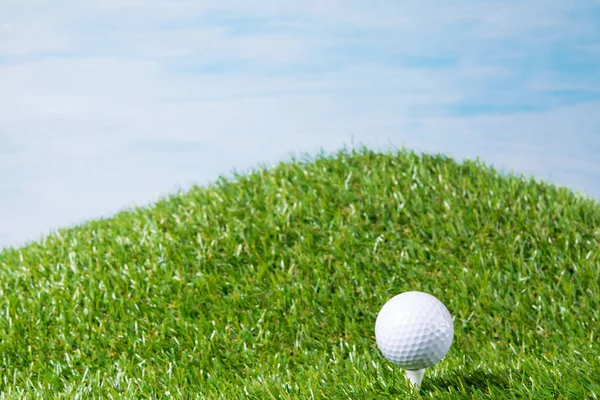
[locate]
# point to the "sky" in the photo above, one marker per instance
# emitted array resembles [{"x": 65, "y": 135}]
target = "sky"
[{"x": 108, "y": 104}]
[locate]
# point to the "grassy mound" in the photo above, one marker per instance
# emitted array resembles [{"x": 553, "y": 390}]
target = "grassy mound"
[{"x": 268, "y": 285}]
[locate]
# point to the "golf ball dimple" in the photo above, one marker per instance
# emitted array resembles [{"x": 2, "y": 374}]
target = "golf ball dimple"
[{"x": 414, "y": 330}]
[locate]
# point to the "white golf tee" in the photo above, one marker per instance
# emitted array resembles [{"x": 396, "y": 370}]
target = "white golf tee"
[{"x": 415, "y": 377}]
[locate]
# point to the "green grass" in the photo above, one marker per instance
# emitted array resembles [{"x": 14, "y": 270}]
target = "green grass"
[{"x": 267, "y": 285}]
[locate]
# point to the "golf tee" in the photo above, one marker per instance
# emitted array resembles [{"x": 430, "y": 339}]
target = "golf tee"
[{"x": 415, "y": 377}]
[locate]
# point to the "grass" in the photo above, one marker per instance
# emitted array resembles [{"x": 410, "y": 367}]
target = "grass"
[{"x": 267, "y": 285}]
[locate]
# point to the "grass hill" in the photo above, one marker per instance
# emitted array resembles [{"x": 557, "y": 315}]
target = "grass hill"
[{"x": 267, "y": 285}]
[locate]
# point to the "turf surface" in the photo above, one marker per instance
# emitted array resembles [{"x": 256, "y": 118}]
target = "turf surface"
[{"x": 267, "y": 285}]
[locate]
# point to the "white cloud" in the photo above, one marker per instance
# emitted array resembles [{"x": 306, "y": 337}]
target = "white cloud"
[{"x": 19, "y": 39}]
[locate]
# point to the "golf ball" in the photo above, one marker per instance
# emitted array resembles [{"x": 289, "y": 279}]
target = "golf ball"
[{"x": 414, "y": 330}]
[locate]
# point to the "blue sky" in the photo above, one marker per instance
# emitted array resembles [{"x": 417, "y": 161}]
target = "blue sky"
[{"x": 108, "y": 104}]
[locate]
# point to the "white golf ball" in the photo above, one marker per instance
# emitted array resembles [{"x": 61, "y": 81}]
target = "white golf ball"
[{"x": 414, "y": 330}]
